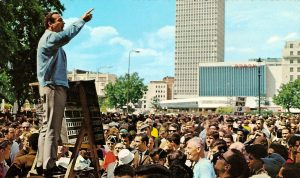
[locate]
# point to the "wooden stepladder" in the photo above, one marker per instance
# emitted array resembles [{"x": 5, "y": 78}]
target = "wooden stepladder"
[
  {"x": 86, "y": 129},
  {"x": 82, "y": 115}
]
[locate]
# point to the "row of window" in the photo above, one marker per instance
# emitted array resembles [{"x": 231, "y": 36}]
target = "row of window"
[
  {"x": 292, "y": 77},
  {"x": 160, "y": 86},
  {"x": 292, "y": 45},
  {"x": 292, "y": 53},
  {"x": 292, "y": 61},
  {"x": 292, "y": 69}
]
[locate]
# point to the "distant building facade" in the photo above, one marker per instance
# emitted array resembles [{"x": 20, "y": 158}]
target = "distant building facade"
[
  {"x": 101, "y": 80},
  {"x": 159, "y": 90},
  {"x": 225, "y": 79},
  {"x": 291, "y": 59},
  {"x": 199, "y": 38}
]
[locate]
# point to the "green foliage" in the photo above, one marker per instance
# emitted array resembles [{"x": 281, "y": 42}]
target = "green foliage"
[
  {"x": 103, "y": 103},
  {"x": 21, "y": 27},
  {"x": 288, "y": 95},
  {"x": 224, "y": 110},
  {"x": 262, "y": 112},
  {"x": 6, "y": 91},
  {"x": 117, "y": 92}
]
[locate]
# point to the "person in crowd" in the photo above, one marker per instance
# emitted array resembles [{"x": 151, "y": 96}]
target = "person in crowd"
[
  {"x": 125, "y": 139},
  {"x": 285, "y": 132},
  {"x": 110, "y": 157},
  {"x": 261, "y": 127},
  {"x": 231, "y": 164},
  {"x": 181, "y": 171},
  {"x": 5, "y": 146},
  {"x": 173, "y": 128},
  {"x": 228, "y": 139},
  {"x": 211, "y": 136},
  {"x": 280, "y": 149},
  {"x": 158, "y": 156},
  {"x": 52, "y": 77},
  {"x": 9, "y": 134},
  {"x": 273, "y": 163},
  {"x": 289, "y": 171},
  {"x": 26, "y": 127},
  {"x": 152, "y": 170},
  {"x": 141, "y": 152},
  {"x": 255, "y": 163},
  {"x": 202, "y": 167},
  {"x": 294, "y": 149},
  {"x": 218, "y": 147},
  {"x": 124, "y": 171},
  {"x": 24, "y": 161}
]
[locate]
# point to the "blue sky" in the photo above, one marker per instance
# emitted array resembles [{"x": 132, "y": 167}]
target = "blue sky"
[{"x": 253, "y": 28}]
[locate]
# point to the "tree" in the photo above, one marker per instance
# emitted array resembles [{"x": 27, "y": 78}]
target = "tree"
[
  {"x": 21, "y": 27},
  {"x": 288, "y": 95},
  {"x": 155, "y": 103},
  {"x": 117, "y": 92}
]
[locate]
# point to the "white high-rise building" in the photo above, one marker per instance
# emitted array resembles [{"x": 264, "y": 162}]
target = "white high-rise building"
[{"x": 199, "y": 38}]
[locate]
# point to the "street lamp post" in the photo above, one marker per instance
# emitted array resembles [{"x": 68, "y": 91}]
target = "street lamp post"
[
  {"x": 128, "y": 87},
  {"x": 259, "y": 75}
]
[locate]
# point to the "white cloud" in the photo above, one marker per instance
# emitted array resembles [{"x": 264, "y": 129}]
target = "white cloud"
[
  {"x": 100, "y": 33},
  {"x": 273, "y": 39},
  {"x": 278, "y": 39},
  {"x": 121, "y": 41},
  {"x": 162, "y": 38},
  {"x": 167, "y": 32},
  {"x": 292, "y": 36}
]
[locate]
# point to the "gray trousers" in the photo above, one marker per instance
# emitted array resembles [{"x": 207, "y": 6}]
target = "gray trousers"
[{"x": 54, "y": 105}]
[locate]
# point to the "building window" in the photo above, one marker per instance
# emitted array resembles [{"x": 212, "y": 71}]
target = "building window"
[
  {"x": 291, "y": 61},
  {"x": 291, "y": 69},
  {"x": 298, "y": 60},
  {"x": 291, "y": 78},
  {"x": 298, "y": 69},
  {"x": 291, "y": 53},
  {"x": 291, "y": 45},
  {"x": 298, "y": 53}
]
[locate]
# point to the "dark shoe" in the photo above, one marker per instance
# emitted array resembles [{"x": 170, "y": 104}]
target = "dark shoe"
[
  {"x": 39, "y": 170},
  {"x": 55, "y": 171}
]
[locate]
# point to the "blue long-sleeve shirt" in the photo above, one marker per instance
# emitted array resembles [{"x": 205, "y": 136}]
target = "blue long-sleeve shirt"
[{"x": 51, "y": 58}]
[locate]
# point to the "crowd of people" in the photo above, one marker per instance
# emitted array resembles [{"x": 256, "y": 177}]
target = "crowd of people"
[{"x": 171, "y": 146}]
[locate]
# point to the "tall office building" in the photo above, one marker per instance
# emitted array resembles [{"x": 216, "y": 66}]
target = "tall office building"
[{"x": 199, "y": 38}]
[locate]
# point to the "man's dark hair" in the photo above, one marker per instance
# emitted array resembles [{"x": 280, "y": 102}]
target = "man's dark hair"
[
  {"x": 291, "y": 170},
  {"x": 49, "y": 18},
  {"x": 258, "y": 151},
  {"x": 212, "y": 133},
  {"x": 280, "y": 149},
  {"x": 293, "y": 139},
  {"x": 144, "y": 137},
  {"x": 33, "y": 141},
  {"x": 238, "y": 163},
  {"x": 152, "y": 171},
  {"x": 181, "y": 171},
  {"x": 124, "y": 170},
  {"x": 176, "y": 157},
  {"x": 174, "y": 137}
]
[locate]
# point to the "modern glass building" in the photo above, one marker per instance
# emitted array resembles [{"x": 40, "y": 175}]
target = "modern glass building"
[{"x": 232, "y": 80}]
